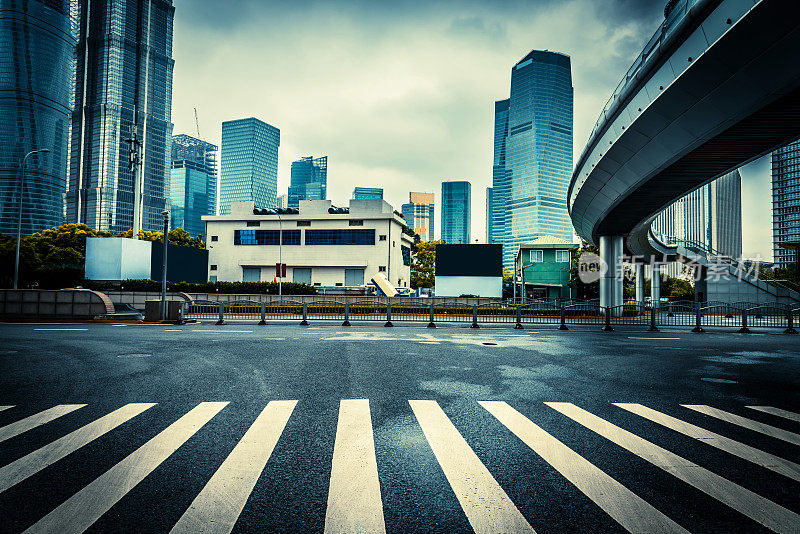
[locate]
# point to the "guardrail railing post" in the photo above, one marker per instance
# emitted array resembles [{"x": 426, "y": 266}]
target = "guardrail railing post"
[
  {"x": 263, "y": 320},
  {"x": 346, "y": 314},
  {"x": 744, "y": 329},
  {"x": 698, "y": 318},
  {"x": 221, "y": 314},
  {"x": 518, "y": 326},
  {"x": 608, "y": 327},
  {"x": 563, "y": 325},
  {"x": 388, "y": 314},
  {"x": 182, "y": 313},
  {"x": 653, "y": 327},
  {"x": 474, "y": 316},
  {"x": 304, "y": 322},
  {"x": 430, "y": 322},
  {"x": 790, "y": 324}
]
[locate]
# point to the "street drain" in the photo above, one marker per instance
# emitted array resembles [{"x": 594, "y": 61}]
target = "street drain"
[
  {"x": 719, "y": 380},
  {"x": 488, "y": 343}
]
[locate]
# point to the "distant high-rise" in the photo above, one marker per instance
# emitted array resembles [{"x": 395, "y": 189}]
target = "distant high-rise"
[
  {"x": 193, "y": 183},
  {"x": 456, "y": 212},
  {"x": 123, "y": 78},
  {"x": 785, "y": 203},
  {"x": 309, "y": 180},
  {"x": 532, "y": 166},
  {"x": 489, "y": 209},
  {"x": 249, "y": 163},
  {"x": 418, "y": 214},
  {"x": 283, "y": 200},
  {"x": 35, "y": 83},
  {"x": 367, "y": 193}
]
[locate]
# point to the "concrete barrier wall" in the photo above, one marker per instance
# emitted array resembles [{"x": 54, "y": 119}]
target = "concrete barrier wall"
[
  {"x": 137, "y": 299},
  {"x": 53, "y": 304}
]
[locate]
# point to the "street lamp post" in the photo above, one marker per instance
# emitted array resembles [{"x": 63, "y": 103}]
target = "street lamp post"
[
  {"x": 165, "y": 213},
  {"x": 19, "y": 214},
  {"x": 280, "y": 255}
]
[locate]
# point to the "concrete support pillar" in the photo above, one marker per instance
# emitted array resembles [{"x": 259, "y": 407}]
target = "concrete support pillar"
[
  {"x": 611, "y": 281},
  {"x": 655, "y": 284},
  {"x": 639, "y": 284}
]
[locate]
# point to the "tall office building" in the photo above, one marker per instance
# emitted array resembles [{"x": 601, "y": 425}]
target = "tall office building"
[
  {"x": 309, "y": 180},
  {"x": 456, "y": 212},
  {"x": 785, "y": 203},
  {"x": 123, "y": 78},
  {"x": 249, "y": 163},
  {"x": 710, "y": 216},
  {"x": 36, "y": 47},
  {"x": 489, "y": 208},
  {"x": 193, "y": 183},
  {"x": 367, "y": 193},
  {"x": 418, "y": 214},
  {"x": 533, "y": 153}
]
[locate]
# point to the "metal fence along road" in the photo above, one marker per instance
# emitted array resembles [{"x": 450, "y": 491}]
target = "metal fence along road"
[{"x": 740, "y": 316}]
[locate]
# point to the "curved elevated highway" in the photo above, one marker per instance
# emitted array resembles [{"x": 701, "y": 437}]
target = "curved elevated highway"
[{"x": 717, "y": 86}]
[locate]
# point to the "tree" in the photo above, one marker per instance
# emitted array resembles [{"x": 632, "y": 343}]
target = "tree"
[
  {"x": 415, "y": 236},
  {"x": 423, "y": 267},
  {"x": 177, "y": 236}
]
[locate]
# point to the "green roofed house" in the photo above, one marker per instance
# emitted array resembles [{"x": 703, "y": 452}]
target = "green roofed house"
[{"x": 544, "y": 263}]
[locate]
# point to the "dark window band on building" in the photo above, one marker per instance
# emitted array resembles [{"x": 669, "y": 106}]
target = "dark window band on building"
[
  {"x": 340, "y": 237},
  {"x": 265, "y": 237}
]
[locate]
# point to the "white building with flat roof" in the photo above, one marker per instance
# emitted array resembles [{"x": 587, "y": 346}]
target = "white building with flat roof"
[{"x": 320, "y": 244}]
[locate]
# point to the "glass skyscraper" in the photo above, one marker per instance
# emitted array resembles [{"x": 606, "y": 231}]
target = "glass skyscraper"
[
  {"x": 36, "y": 47},
  {"x": 489, "y": 208},
  {"x": 361, "y": 193},
  {"x": 456, "y": 212},
  {"x": 533, "y": 153},
  {"x": 193, "y": 183},
  {"x": 249, "y": 163},
  {"x": 309, "y": 180},
  {"x": 123, "y": 78},
  {"x": 418, "y": 214},
  {"x": 785, "y": 203}
]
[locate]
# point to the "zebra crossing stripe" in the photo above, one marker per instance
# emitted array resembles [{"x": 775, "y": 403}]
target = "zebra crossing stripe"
[
  {"x": 487, "y": 507},
  {"x": 624, "y": 506},
  {"x": 746, "y": 452},
  {"x": 763, "y": 428},
  {"x": 37, "y": 419},
  {"x": 764, "y": 511},
  {"x": 6, "y": 407},
  {"x": 217, "y": 507},
  {"x": 777, "y": 411},
  {"x": 354, "y": 496},
  {"x": 78, "y": 512},
  {"x": 39, "y": 459}
]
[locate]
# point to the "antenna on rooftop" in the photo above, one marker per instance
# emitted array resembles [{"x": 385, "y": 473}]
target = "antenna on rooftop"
[{"x": 197, "y": 124}]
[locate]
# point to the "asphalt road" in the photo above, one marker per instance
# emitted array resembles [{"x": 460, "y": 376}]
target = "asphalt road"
[{"x": 174, "y": 427}]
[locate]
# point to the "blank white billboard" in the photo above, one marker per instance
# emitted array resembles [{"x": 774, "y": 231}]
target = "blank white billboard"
[{"x": 481, "y": 286}]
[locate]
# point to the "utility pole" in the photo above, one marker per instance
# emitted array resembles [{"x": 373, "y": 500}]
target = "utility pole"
[{"x": 165, "y": 213}]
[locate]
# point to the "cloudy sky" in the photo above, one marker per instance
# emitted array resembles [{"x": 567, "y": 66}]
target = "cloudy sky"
[{"x": 400, "y": 94}]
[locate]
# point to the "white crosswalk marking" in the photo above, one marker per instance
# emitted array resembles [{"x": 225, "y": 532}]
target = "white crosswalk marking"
[
  {"x": 354, "y": 496},
  {"x": 764, "y": 511},
  {"x": 217, "y": 507},
  {"x": 34, "y": 462},
  {"x": 37, "y": 419},
  {"x": 486, "y": 505},
  {"x": 627, "y": 508},
  {"x": 777, "y": 411},
  {"x": 769, "y": 430},
  {"x": 6, "y": 407},
  {"x": 78, "y": 512},
  {"x": 751, "y": 454}
]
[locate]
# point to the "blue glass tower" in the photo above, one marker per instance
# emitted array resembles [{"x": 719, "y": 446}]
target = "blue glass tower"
[
  {"x": 456, "y": 212},
  {"x": 419, "y": 214},
  {"x": 367, "y": 193},
  {"x": 193, "y": 183},
  {"x": 123, "y": 78},
  {"x": 496, "y": 197},
  {"x": 309, "y": 180},
  {"x": 786, "y": 204},
  {"x": 531, "y": 182},
  {"x": 249, "y": 163},
  {"x": 36, "y": 47}
]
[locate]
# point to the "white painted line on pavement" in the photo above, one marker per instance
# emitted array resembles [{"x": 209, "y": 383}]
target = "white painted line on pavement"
[
  {"x": 487, "y": 506},
  {"x": 173, "y": 330},
  {"x": 217, "y": 507},
  {"x": 624, "y": 506},
  {"x": 754, "y": 506},
  {"x": 34, "y": 462},
  {"x": 81, "y": 510},
  {"x": 746, "y": 452},
  {"x": 651, "y": 337},
  {"x": 431, "y": 342},
  {"x": 6, "y": 407},
  {"x": 221, "y": 331},
  {"x": 763, "y": 428},
  {"x": 23, "y": 425},
  {"x": 777, "y": 411},
  {"x": 60, "y": 329},
  {"x": 354, "y": 495}
]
